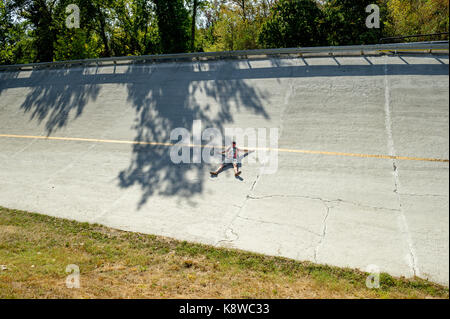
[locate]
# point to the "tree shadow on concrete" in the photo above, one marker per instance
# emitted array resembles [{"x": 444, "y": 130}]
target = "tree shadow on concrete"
[
  {"x": 54, "y": 99},
  {"x": 165, "y": 97},
  {"x": 168, "y": 99}
]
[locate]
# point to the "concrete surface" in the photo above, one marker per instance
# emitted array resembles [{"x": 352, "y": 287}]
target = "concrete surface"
[{"x": 340, "y": 210}]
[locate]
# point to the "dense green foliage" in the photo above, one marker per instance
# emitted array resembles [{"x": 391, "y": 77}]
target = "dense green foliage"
[
  {"x": 293, "y": 24},
  {"x": 36, "y": 30},
  {"x": 417, "y": 17},
  {"x": 173, "y": 25},
  {"x": 10, "y": 37},
  {"x": 346, "y": 25}
]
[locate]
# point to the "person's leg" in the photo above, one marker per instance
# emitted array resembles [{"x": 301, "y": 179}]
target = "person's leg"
[
  {"x": 236, "y": 169},
  {"x": 218, "y": 170}
]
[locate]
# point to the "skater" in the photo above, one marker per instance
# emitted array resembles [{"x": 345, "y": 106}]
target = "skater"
[{"x": 231, "y": 156}]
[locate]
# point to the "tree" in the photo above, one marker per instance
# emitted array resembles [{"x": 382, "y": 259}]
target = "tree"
[
  {"x": 98, "y": 14},
  {"x": 197, "y": 7},
  {"x": 10, "y": 35},
  {"x": 243, "y": 7},
  {"x": 173, "y": 25},
  {"x": 194, "y": 17},
  {"x": 226, "y": 31},
  {"x": 76, "y": 43},
  {"x": 345, "y": 22},
  {"x": 263, "y": 8},
  {"x": 51, "y": 38},
  {"x": 292, "y": 23},
  {"x": 231, "y": 31},
  {"x": 39, "y": 13},
  {"x": 135, "y": 32},
  {"x": 411, "y": 17}
]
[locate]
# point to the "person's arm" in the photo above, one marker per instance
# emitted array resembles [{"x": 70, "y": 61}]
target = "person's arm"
[{"x": 226, "y": 150}]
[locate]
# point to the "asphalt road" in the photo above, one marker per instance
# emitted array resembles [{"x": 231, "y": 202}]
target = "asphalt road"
[{"x": 340, "y": 195}]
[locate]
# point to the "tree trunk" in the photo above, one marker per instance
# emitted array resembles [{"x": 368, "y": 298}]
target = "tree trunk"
[
  {"x": 194, "y": 16},
  {"x": 102, "y": 32}
]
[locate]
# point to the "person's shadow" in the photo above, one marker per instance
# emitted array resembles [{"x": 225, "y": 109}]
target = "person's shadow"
[
  {"x": 227, "y": 167},
  {"x": 230, "y": 166}
]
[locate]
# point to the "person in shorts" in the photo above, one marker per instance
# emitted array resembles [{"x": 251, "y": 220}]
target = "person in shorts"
[{"x": 231, "y": 156}]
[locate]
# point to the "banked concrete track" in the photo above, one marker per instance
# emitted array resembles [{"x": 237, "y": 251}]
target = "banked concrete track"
[{"x": 88, "y": 144}]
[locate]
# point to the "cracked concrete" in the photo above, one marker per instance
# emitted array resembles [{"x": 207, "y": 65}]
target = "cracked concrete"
[
  {"x": 324, "y": 232},
  {"x": 338, "y": 200},
  {"x": 344, "y": 211},
  {"x": 403, "y": 224},
  {"x": 229, "y": 230}
]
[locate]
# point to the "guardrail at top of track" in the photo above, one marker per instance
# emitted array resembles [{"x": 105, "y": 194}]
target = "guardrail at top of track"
[{"x": 425, "y": 46}]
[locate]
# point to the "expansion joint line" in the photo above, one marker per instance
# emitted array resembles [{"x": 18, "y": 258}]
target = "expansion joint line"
[
  {"x": 287, "y": 97},
  {"x": 390, "y": 140}
]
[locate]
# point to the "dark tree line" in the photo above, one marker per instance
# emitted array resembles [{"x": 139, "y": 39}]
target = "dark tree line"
[{"x": 35, "y": 30}]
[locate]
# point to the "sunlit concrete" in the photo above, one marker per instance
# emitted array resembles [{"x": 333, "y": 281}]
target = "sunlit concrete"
[{"x": 338, "y": 210}]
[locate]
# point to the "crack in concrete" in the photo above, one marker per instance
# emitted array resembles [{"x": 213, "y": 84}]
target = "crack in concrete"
[
  {"x": 279, "y": 224},
  {"x": 422, "y": 195},
  {"x": 324, "y": 232},
  {"x": 338, "y": 200},
  {"x": 254, "y": 183},
  {"x": 404, "y": 229},
  {"x": 232, "y": 234},
  {"x": 241, "y": 207},
  {"x": 403, "y": 225},
  {"x": 328, "y": 207}
]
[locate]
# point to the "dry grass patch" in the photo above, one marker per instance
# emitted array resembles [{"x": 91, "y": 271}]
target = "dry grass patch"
[{"x": 116, "y": 264}]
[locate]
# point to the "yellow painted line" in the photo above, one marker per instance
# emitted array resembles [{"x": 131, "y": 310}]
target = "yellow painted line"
[
  {"x": 406, "y": 158},
  {"x": 283, "y": 150}
]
